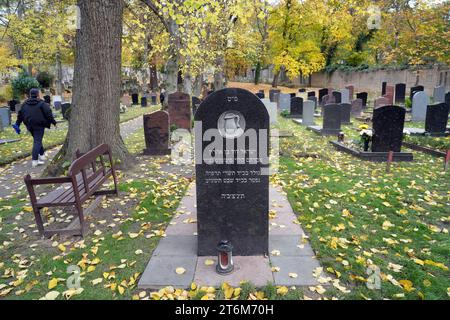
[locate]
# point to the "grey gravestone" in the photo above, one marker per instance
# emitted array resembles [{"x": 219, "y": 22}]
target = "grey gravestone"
[
  {"x": 419, "y": 106},
  {"x": 388, "y": 124},
  {"x": 272, "y": 93},
  {"x": 156, "y": 130},
  {"x": 296, "y": 107},
  {"x": 439, "y": 94},
  {"x": 154, "y": 99},
  {"x": 65, "y": 110},
  {"x": 337, "y": 96},
  {"x": 313, "y": 99},
  {"x": 383, "y": 88},
  {"x": 363, "y": 96},
  {"x": 400, "y": 91},
  {"x": 144, "y": 102},
  {"x": 414, "y": 90},
  {"x": 345, "y": 96},
  {"x": 346, "y": 109},
  {"x": 328, "y": 99},
  {"x": 437, "y": 118},
  {"x": 331, "y": 119},
  {"x": 57, "y": 102},
  {"x": 351, "y": 90},
  {"x": 357, "y": 105},
  {"x": 195, "y": 104},
  {"x": 272, "y": 110},
  {"x": 135, "y": 98},
  {"x": 284, "y": 102},
  {"x": 308, "y": 113},
  {"x": 322, "y": 93},
  {"x": 232, "y": 197},
  {"x": 5, "y": 117},
  {"x": 380, "y": 102}
]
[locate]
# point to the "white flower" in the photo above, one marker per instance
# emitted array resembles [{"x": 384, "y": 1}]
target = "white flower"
[
  {"x": 366, "y": 132},
  {"x": 406, "y": 132}
]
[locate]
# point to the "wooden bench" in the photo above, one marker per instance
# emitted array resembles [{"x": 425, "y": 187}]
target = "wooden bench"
[{"x": 85, "y": 178}]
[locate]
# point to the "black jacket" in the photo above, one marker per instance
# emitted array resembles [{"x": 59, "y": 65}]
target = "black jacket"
[{"x": 35, "y": 113}]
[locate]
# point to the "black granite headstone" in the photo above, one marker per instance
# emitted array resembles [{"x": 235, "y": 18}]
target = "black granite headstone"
[
  {"x": 302, "y": 90},
  {"x": 400, "y": 91},
  {"x": 293, "y": 95},
  {"x": 144, "y": 102},
  {"x": 135, "y": 98},
  {"x": 447, "y": 98},
  {"x": 47, "y": 99},
  {"x": 296, "y": 107},
  {"x": 12, "y": 105},
  {"x": 346, "y": 110},
  {"x": 437, "y": 118},
  {"x": 363, "y": 96},
  {"x": 260, "y": 95},
  {"x": 272, "y": 93},
  {"x": 231, "y": 127},
  {"x": 322, "y": 93},
  {"x": 337, "y": 96},
  {"x": 311, "y": 94},
  {"x": 154, "y": 100},
  {"x": 388, "y": 124},
  {"x": 65, "y": 110},
  {"x": 331, "y": 119},
  {"x": 383, "y": 88},
  {"x": 414, "y": 90},
  {"x": 195, "y": 104}
]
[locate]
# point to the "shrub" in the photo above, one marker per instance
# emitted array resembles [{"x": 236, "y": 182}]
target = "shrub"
[
  {"x": 408, "y": 103},
  {"x": 45, "y": 79},
  {"x": 23, "y": 84},
  {"x": 6, "y": 93}
]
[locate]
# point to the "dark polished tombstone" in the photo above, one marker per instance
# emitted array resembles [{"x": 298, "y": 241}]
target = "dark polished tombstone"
[
  {"x": 302, "y": 90},
  {"x": 437, "y": 118},
  {"x": 322, "y": 93},
  {"x": 260, "y": 95},
  {"x": 47, "y": 99},
  {"x": 135, "y": 98},
  {"x": 414, "y": 90},
  {"x": 383, "y": 88},
  {"x": 180, "y": 110},
  {"x": 363, "y": 96},
  {"x": 272, "y": 93},
  {"x": 447, "y": 98},
  {"x": 231, "y": 173},
  {"x": 337, "y": 96},
  {"x": 388, "y": 124},
  {"x": 156, "y": 130},
  {"x": 195, "y": 104},
  {"x": 296, "y": 107},
  {"x": 144, "y": 102},
  {"x": 311, "y": 94},
  {"x": 154, "y": 99},
  {"x": 346, "y": 110},
  {"x": 331, "y": 119},
  {"x": 293, "y": 94},
  {"x": 400, "y": 92},
  {"x": 65, "y": 110}
]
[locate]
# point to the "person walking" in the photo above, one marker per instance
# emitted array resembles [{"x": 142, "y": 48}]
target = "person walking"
[{"x": 36, "y": 115}]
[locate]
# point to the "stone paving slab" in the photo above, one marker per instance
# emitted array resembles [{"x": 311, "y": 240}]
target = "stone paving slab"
[
  {"x": 179, "y": 248},
  {"x": 255, "y": 269}
]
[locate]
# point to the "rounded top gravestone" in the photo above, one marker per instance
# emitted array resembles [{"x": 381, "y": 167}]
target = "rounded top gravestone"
[
  {"x": 420, "y": 102},
  {"x": 231, "y": 161},
  {"x": 388, "y": 124}
]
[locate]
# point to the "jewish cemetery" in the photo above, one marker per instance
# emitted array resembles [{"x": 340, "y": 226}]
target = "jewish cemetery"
[{"x": 224, "y": 150}]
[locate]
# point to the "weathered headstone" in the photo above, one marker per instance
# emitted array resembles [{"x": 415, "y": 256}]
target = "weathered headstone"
[
  {"x": 363, "y": 96},
  {"x": 380, "y": 102},
  {"x": 144, "y": 102},
  {"x": 351, "y": 91},
  {"x": 126, "y": 100},
  {"x": 296, "y": 107},
  {"x": 388, "y": 124},
  {"x": 156, "y": 130},
  {"x": 331, "y": 119},
  {"x": 308, "y": 113},
  {"x": 437, "y": 118},
  {"x": 5, "y": 117},
  {"x": 328, "y": 99},
  {"x": 272, "y": 110},
  {"x": 346, "y": 109},
  {"x": 65, "y": 110},
  {"x": 313, "y": 99},
  {"x": 439, "y": 94},
  {"x": 414, "y": 90},
  {"x": 345, "y": 96},
  {"x": 383, "y": 88},
  {"x": 419, "y": 106},
  {"x": 284, "y": 102},
  {"x": 180, "y": 110},
  {"x": 390, "y": 91},
  {"x": 357, "y": 105},
  {"x": 154, "y": 99},
  {"x": 195, "y": 104},
  {"x": 135, "y": 99},
  {"x": 272, "y": 93},
  {"x": 322, "y": 93},
  {"x": 337, "y": 96},
  {"x": 231, "y": 173},
  {"x": 400, "y": 91}
]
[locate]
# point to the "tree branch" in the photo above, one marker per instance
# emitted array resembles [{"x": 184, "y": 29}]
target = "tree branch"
[{"x": 154, "y": 8}]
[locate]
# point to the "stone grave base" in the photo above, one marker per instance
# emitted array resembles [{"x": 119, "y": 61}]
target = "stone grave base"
[
  {"x": 300, "y": 122},
  {"x": 2, "y": 141},
  {"x": 288, "y": 250},
  {"x": 373, "y": 156},
  {"x": 421, "y": 132},
  {"x": 324, "y": 132},
  {"x": 289, "y": 116},
  {"x": 426, "y": 150},
  {"x": 346, "y": 123},
  {"x": 148, "y": 152}
]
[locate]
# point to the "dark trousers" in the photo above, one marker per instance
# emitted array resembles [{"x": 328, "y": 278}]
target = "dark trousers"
[{"x": 38, "y": 148}]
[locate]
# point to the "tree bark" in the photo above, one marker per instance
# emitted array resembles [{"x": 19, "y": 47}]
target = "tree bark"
[
  {"x": 94, "y": 116},
  {"x": 59, "y": 75},
  {"x": 275, "y": 79},
  {"x": 257, "y": 72},
  {"x": 219, "y": 77}
]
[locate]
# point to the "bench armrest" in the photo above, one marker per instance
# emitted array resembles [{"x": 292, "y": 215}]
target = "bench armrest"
[{"x": 40, "y": 181}]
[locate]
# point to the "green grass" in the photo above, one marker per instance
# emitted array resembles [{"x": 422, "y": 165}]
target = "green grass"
[
  {"x": 13, "y": 151},
  {"x": 436, "y": 143}
]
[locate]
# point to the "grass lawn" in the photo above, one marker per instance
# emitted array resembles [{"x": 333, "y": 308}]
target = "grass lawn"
[{"x": 53, "y": 137}]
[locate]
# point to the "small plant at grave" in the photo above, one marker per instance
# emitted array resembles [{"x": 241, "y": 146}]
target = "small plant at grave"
[
  {"x": 23, "y": 84},
  {"x": 366, "y": 138},
  {"x": 285, "y": 113},
  {"x": 173, "y": 127},
  {"x": 408, "y": 103}
]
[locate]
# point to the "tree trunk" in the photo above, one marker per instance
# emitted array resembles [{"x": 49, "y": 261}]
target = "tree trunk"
[
  {"x": 219, "y": 78},
  {"x": 59, "y": 75},
  {"x": 94, "y": 116},
  {"x": 187, "y": 84},
  {"x": 153, "y": 77},
  {"x": 257, "y": 72},
  {"x": 275, "y": 79},
  {"x": 172, "y": 62},
  {"x": 197, "y": 86}
]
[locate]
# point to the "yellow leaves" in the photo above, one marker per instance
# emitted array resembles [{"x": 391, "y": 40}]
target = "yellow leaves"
[
  {"x": 52, "y": 295},
  {"x": 293, "y": 275},
  {"x": 319, "y": 289},
  {"x": 436, "y": 264},
  {"x": 96, "y": 281},
  {"x": 138, "y": 252},
  {"x": 419, "y": 261},
  {"x": 402, "y": 211},
  {"x": 275, "y": 269},
  {"x": 121, "y": 290},
  {"x": 133, "y": 235},
  {"x": 282, "y": 290},
  {"x": 395, "y": 267},
  {"x": 52, "y": 283},
  {"x": 90, "y": 269},
  {"x": 387, "y": 224},
  {"x": 180, "y": 271},
  {"x": 275, "y": 252},
  {"x": 209, "y": 262},
  {"x": 62, "y": 248},
  {"x": 386, "y": 204},
  {"x": 28, "y": 209},
  {"x": 72, "y": 292},
  {"x": 407, "y": 285},
  {"x": 339, "y": 227},
  {"x": 346, "y": 213}
]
